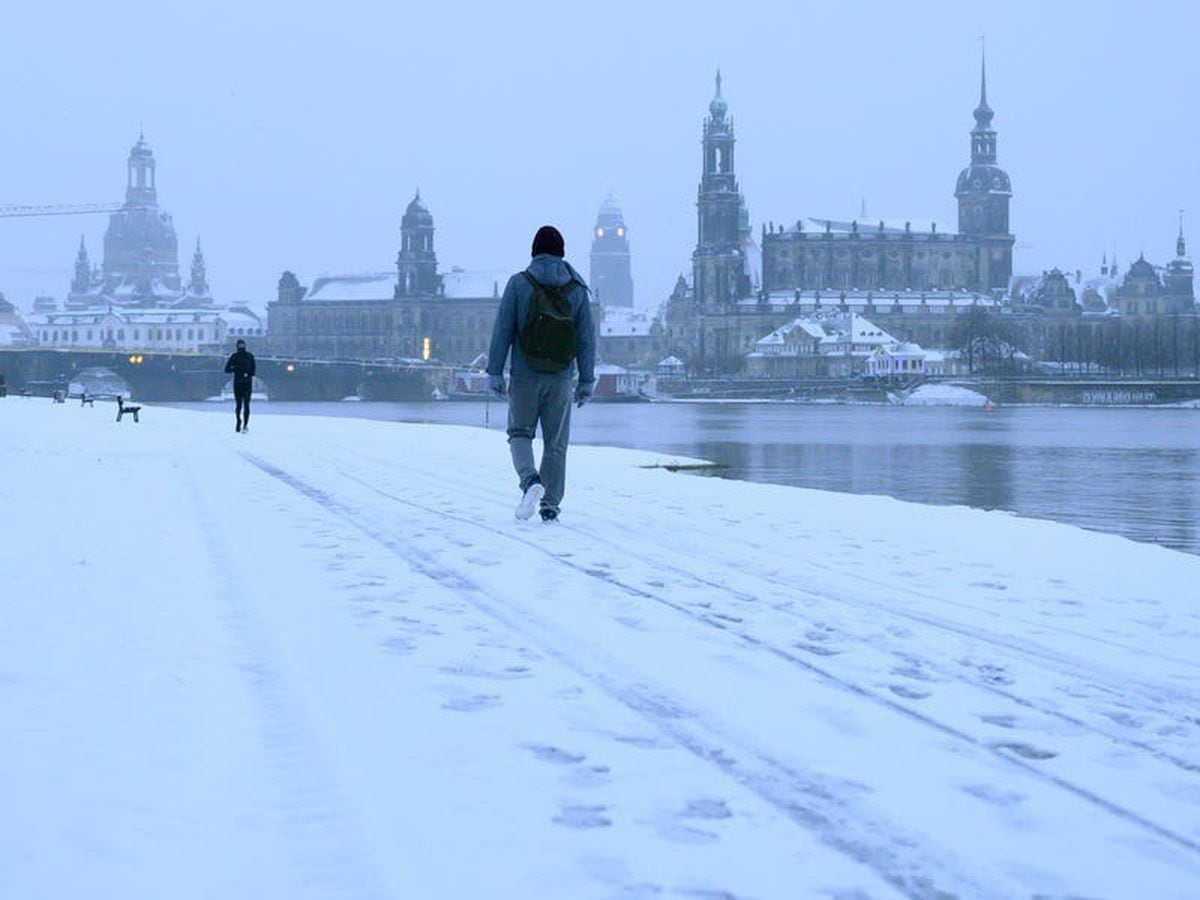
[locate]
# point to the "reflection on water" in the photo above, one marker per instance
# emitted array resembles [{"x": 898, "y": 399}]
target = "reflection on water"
[{"x": 1134, "y": 472}]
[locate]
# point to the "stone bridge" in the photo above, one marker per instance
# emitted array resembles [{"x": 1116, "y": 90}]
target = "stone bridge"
[{"x": 178, "y": 377}]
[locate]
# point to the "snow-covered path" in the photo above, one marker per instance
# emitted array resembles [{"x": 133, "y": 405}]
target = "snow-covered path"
[{"x": 322, "y": 660}]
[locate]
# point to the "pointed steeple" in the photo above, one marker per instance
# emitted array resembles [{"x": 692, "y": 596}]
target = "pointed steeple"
[
  {"x": 199, "y": 284},
  {"x": 83, "y": 270},
  {"x": 718, "y": 107},
  {"x": 983, "y": 112},
  {"x": 1180, "y": 244}
]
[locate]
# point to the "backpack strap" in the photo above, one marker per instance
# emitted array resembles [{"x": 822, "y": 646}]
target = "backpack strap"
[{"x": 560, "y": 292}]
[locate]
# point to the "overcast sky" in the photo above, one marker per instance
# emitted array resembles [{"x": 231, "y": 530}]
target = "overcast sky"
[{"x": 290, "y": 139}]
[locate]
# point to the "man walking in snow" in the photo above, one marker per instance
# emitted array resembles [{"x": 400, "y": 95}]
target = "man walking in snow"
[
  {"x": 545, "y": 319},
  {"x": 241, "y": 364}
]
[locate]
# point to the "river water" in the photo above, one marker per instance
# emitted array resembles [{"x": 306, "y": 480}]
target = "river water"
[{"x": 1134, "y": 472}]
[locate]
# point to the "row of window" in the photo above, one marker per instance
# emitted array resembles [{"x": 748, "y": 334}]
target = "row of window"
[{"x": 152, "y": 334}]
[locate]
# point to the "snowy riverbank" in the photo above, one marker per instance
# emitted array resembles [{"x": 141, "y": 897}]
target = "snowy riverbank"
[{"x": 321, "y": 660}]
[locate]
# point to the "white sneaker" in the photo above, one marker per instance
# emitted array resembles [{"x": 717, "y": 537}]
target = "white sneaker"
[{"x": 529, "y": 500}]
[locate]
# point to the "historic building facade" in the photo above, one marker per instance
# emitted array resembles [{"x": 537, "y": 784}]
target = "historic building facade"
[
  {"x": 610, "y": 277},
  {"x": 136, "y": 299},
  {"x": 141, "y": 252},
  {"x": 414, "y": 313},
  {"x": 832, "y": 255},
  {"x": 916, "y": 280}
]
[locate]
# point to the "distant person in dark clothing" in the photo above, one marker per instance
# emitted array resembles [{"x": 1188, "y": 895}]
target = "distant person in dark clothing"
[
  {"x": 550, "y": 349},
  {"x": 241, "y": 364}
]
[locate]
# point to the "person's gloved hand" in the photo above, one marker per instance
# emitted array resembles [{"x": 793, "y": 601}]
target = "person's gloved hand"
[
  {"x": 496, "y": 385},
  {"x": 584, "y": 391}
]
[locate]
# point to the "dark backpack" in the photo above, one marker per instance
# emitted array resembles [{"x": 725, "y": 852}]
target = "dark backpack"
[{"x": 547, "y": 338}]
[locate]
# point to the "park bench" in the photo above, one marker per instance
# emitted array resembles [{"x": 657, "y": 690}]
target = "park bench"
[{"x": 123, "y": 408}]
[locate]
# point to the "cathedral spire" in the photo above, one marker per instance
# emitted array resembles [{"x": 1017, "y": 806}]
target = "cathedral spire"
[
  {"x": 83, "y": 270},
  {"x": 199, "y": 284},
  {"x": 983, "y": 112},
  {"x": 718, "y": 107}
]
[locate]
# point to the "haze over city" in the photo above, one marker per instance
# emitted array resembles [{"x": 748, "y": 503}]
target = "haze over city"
[{"x": 288, "y": 139}]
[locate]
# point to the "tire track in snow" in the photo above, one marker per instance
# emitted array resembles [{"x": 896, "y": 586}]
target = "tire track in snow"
[
  {"x": 806, "y": 800},
  {"x": 319, "y": 837},
  {"x": 1044, "y": 659},
  {"x": 1037, "y": 654},
  {"x": 1001, "y": 751}
]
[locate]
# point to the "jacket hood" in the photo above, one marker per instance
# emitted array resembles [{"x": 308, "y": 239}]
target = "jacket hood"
[{"x": 553, "y": 270}]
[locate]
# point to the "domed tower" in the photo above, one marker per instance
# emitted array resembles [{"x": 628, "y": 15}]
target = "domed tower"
[
  {"x": 983, "y": 193},
  {"x": 718, "y": 265},
  {"x": 1181, "y": 298},
  {"x": 610, "y": 278},
  {"x": 141, "y": 251},
  {"x": 416, "y": 265}
]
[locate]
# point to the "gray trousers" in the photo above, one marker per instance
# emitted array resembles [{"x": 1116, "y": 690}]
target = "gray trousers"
[{"x": 545, "y": 399}]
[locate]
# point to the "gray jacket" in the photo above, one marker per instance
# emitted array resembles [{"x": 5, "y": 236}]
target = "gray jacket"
[{"x": 514, "y": 307}]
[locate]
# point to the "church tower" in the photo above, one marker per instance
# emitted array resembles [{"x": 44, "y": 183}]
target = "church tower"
[
  {"x": 140, "y": 188},
  {"x": 983, "y": 193},
  {"x": 141, "y": 251},
  {"x": 198, "y": 287},
  {"x": 609, "y": 277},
  {"x": 416, "y": 265},
  {"x": 1181, "y": 298},
  {"x": 82, "y": 281},
  {"x": 718, "y": 267}
]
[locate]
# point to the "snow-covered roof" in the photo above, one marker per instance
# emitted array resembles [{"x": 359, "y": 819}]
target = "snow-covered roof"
[
  {"x": 459, "y": 283},
  {"x": 620, "y": 321},
  {"x": 867, "y": 226},
  {"x": 352, "y": 288},
  {"x": 831, "y": 299},
  {"x": 830, "y": 330}
]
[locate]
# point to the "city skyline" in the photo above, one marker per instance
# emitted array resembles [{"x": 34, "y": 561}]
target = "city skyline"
[{"x": 278, "y": 164}]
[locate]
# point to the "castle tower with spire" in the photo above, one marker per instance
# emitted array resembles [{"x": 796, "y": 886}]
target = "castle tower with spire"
[
  {"x": 82, "y": 282},
  {"x": 198, "y": 290},
  {"x": 1181, "y": 297},
  {"x": 718, "y": 266},
  {"x": 416, "y": 264},
  {"x": 609, "y": 277},
  {"x": 983, "y": 192}
]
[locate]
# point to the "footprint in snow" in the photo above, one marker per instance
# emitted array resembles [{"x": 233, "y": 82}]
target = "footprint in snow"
[
  {"x": 707, "y": 808},
  {"x": 818, "y": 649},
  {"x": 583, "y": 817},
  {"x": 913, "y": 671},
  {"x": 589, "y": 777},
  {"x": 997, "y": 675},
  {"x": 551, "y": 754},
  {"x": 1003, "y": 721},
  {"x": 401, "y": 646},
  {"x": 472, "y": 703},
  {"x": 907, "y": 693},
  {"x": 993, "y": 795},
  {"x": 1027, "y": 751},
  {"x": 683, "y": 834}
]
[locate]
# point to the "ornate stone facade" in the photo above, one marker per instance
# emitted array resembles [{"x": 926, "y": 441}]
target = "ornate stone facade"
[
  {"x": 141, "y": 252},
  {"x": 415, "y": 313},
  {"x": 836, "y": 255}
]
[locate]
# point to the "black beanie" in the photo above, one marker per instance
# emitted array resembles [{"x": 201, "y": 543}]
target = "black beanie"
[{"x": 548, "y": 240}]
